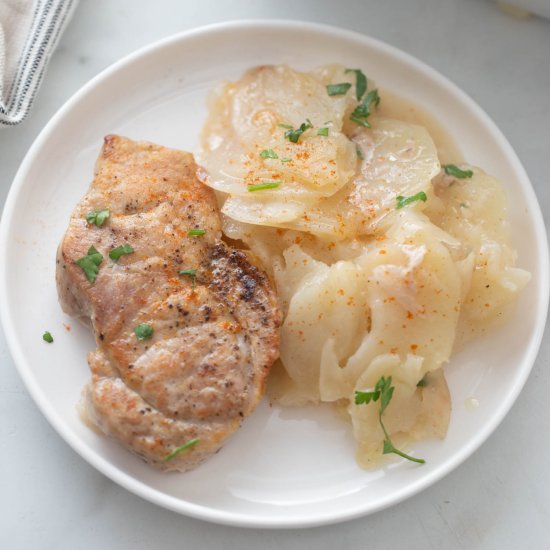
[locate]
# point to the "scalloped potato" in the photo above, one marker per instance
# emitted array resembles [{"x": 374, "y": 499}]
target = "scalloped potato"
[
  {"x": 254, "y": 115},
  {"x": 384, "y": 263},
  {"x": 399, "y": 159}
]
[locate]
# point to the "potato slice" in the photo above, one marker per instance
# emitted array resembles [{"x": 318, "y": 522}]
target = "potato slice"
[
  {"x": 323, "y": 303},
  {"x": 414, "y": 413},
  {"x": 245, "y": 119},
  {"x": 400, "y": 159},
  {"x": 413, "y": 291},
  {"x": 473, "y": 210}
]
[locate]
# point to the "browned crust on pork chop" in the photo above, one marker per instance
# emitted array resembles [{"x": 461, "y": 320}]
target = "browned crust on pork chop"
[{"x": 215, "y": 336}]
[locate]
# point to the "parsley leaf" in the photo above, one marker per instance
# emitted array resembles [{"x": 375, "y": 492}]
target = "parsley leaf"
[
  {"x": 269, "y": 154},
  {"x": 404, "y": 201},
  {"x": 338, "y": 89},
  {"x": 286, "y": 159},
  {"x": 98, "y": 216},
  {"x": 47, "y": 337},
  {"x": 362, "y": 112},
  {"x": 266, "y": 185},
  {"x": 322, "y": 132},
  {"x": 365, "y": 397},
  {"x": 90, "y": 264},
  {"x": 359, "y": 152},
  {"x": 143, "y": 332},
  {"x": 360, "y": 82},
  {"x": 287, "y": 126},
  {"x": 178, "y": 450},
  {"x": 455, "y": 171},
  {"x": 386, "y": 393},
  {"x": 196, "y": 232},
  {"x": 383, "y": 391},
  {"x": 119, "y": 251},
  {"x": 192, "y": 273},
  {"x": 294, "y": 135}
]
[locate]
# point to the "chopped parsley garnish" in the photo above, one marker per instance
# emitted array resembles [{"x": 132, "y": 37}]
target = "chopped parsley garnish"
[
  {"x": 119, "y": 251},
  {"x": 360, "y": 82},
  {"x": 383, "y": 391},
  {"x": 269, "y": 154},
  {"x": 98, "y": 216},
  {"x": 338, "y": 89},
  {"x": 456, "y": 172},
  {"x": 359, "y": 153},
  {"x": 47, "y": 337},
  {"x": 191, "y": 273},
  {"x": 178, "y": 450},
  {"x": 322, "y": 132},
  {"x": 143, "y": 332},
  {"x": 90, "y": 264},
  {"x": 287, "y": 126},
  {"x": 196, "y": 232},
  {"x": 404, "y": 201},
  {"x": 266, "y": 185},
  {"x": 294, "y": 135},
  {"x": 286, "y": 159},
  {"x": 362, "y": 112}
]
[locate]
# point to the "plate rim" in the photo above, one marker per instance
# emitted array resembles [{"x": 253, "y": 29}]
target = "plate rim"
[{"x": 221, "y": 516}]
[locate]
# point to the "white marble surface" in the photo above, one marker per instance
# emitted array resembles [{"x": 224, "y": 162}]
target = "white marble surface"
[{"x": 51, "y": 499}]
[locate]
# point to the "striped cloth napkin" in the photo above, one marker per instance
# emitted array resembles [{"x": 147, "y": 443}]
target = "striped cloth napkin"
[{"x": 29, "y": 32}]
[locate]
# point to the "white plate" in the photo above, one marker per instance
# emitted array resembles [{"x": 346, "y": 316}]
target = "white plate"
[{"x": 284, "y": 468}]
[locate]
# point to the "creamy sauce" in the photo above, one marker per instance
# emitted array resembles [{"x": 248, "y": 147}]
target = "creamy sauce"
[{"x": 395, "y": 106}]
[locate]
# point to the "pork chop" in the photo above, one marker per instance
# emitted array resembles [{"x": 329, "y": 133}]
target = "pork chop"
[{"x": 186, "y": 327}]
